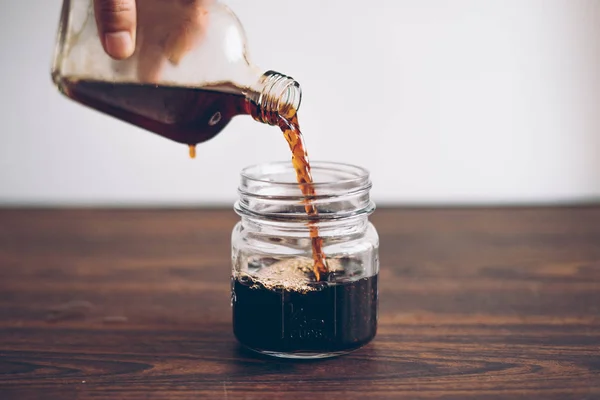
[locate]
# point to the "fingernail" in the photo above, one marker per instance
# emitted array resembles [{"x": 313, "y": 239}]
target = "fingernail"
[{"x": 119, "y": 44}]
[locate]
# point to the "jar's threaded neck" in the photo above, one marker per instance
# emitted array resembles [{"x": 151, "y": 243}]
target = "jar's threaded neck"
[
  {"x": 275, "y": 96},
  {"x": 270, "y": 192}
]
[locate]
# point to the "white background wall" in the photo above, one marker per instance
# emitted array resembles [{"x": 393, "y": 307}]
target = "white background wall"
[{"x": 463, "y": 101}]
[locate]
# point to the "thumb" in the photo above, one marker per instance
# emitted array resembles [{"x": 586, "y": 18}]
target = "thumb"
[{"x": 116, "y": 20}]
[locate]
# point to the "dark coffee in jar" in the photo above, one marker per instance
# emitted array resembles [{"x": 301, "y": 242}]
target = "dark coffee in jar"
[{"x": 278, "y": 310}]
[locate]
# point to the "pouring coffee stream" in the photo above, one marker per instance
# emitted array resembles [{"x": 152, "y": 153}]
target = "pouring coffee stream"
[{"x": 292, "y": 133}]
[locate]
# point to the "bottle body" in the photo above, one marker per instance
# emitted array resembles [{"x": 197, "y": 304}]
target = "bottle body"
[
  {"x": 279, "y": 307},
  {"x": 188, "y": 77}
]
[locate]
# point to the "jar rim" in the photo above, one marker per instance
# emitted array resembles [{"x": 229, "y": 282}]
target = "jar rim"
[
  {"x": 270, "y": 190},
  {"x": 258, "y": 173}
]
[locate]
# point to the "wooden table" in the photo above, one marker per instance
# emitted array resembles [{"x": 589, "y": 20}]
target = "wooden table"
[{"x": 135, "y": 304}]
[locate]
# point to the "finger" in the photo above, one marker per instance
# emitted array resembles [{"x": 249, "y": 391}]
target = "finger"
[
  {"x": 116, "y": 21},
  {"x": 189, "y": 34},
  {"x": 150, "y": 62}
]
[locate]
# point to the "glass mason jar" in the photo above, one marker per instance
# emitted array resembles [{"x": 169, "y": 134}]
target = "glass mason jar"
[
  {"x": 279, "y": 308},
  {"x": 188, "y": 76}
]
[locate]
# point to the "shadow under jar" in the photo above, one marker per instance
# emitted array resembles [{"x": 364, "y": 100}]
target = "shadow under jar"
[{"x": 280, "y": 308}]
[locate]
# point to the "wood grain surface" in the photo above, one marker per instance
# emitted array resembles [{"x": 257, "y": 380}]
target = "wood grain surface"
[{"x": 135, "y": 304}]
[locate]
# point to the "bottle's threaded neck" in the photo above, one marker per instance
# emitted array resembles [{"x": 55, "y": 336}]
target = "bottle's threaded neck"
[{"x": 276, "y": 95}]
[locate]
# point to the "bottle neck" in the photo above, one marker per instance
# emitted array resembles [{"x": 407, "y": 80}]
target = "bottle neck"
[{"x": 274, "y": 96}]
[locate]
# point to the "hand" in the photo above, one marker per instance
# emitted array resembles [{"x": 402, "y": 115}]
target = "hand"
[{"x": 156, "y": 30}]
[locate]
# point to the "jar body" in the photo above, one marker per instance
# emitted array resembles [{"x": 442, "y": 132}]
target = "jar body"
[{"x": 280, "y": 309}]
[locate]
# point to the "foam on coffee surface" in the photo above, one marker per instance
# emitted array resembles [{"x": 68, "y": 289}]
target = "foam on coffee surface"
[{"x": 294, "y": 274}]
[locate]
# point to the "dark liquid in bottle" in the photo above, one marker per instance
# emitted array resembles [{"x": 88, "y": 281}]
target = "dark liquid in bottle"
[
  {"x": 334, "y": 317},
  {"x": 183, "y": 114}
]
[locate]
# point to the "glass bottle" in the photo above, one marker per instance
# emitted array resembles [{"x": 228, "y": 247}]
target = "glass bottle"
[
  {"x": 279, "y": 307},
  {"x": 189, "y": 75}
]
